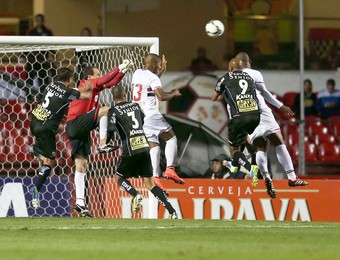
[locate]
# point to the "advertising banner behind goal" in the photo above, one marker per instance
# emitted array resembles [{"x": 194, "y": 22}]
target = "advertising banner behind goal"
[{"x": 197, "y": 199}]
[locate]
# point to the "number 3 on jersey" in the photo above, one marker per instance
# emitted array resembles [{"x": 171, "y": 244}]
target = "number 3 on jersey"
[
  {"x": 135, "y": 124},
  {"x": 137, "y": 92}
]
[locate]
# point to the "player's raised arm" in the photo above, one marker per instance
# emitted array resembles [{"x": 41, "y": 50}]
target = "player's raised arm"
[{"x": 163, "y": 66}]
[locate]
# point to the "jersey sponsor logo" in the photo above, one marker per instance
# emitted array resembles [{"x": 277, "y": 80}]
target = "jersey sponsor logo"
[
  {"x": 126, "y": 108},
  {"x": 244, "y": 96},
  {"x": 136, "y": 132},
  {"x": 247, "y": 105},
  {"x": 56, "y": 90},
  {"x": 40, "y": 113},
  {"x": 138, "y": 142}
]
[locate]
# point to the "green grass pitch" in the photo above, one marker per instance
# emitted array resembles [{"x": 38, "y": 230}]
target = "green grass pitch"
[{"x": 79, "y": 238}]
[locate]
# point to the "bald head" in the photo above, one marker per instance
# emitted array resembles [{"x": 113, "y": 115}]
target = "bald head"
[
  {"x": 118, "y": 93},
  {"x": 242, "y": 60},
  {"x": 152, "y": 62},
  {"x": 232, "y": 65}
]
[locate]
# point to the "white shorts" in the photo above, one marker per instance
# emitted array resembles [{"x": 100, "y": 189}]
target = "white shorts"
[
  {"x": 267, "y": 126},
  {"x": 154, "y": 126}
]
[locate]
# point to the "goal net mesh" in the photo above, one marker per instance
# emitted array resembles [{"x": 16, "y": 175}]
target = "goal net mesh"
[{"x": 25, "y": 71}]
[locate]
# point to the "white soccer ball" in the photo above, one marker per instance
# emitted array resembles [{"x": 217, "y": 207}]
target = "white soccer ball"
[{"x": 214, "y": 28}]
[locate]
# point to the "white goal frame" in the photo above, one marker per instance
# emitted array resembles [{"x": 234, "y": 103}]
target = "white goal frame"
[{"x": 18, "y": 44}]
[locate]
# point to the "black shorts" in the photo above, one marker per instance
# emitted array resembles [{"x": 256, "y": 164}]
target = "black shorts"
[
  {"x": 79, "y": 130},
  {"x": 240, "y": 127},
  {"x": 135, "y": 165},
  {"x": 45, "y": 141}
]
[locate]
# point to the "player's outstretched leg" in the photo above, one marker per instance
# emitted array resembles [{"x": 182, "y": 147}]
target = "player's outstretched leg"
[
  {"x": 270, "y": 187},
  {"x": 137, "y": 203},
  {"x": 170, "y": 174},
  {"x": 85, "y": 213},
  {"x": 159, "y": 194},
  {"x": 159, "y": 184},
  {"x": 297, "y": 182},
  {"x": 35, "y": 197}
]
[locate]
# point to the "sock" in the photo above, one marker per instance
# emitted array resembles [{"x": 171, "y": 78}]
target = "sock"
[
  {"x": 262, "y": 162},
  {"x": 126, "y": 185},
  {"x": 251, "y": 151},
  {"x": 44, "y": 172},
  {"x": 240, "y": 159},
  {"x": 286, "y": 161},
  {"x": 159, "y": 194},
  {"x": 103, "y": 128},
  {"x": 79, "y": 182},
  {"x": 155, "y": 154},
  {"x": 171, "y": 151}
]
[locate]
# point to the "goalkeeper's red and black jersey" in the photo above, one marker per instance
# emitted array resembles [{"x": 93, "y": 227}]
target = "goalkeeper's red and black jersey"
[
  {"x": 239, "y": 91},
  {"x": 127, "y": 119},
  {"x": 79, "y": 107},
  {"x": 54, "y": 104}
]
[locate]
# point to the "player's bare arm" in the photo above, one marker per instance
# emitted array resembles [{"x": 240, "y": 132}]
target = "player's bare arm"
[
  {"x": 215, "y": 96},
  {"x": 287, "y": 111},
  {"x": 165, "y": 96}
]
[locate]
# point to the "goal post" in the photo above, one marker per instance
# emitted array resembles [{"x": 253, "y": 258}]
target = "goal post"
[{"x": 27, "y": 65}]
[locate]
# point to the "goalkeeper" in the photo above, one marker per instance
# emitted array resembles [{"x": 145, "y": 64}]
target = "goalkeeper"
[{"x": 84, "y": 116}]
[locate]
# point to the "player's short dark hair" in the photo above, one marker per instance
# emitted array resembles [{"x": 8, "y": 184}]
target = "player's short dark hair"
[
  {"x": 64, "y": 74},
  {"x": 88, "y": 71},
  {"x": 118, "y": 92}
]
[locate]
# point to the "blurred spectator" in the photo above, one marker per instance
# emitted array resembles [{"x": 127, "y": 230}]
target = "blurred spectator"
[
  {"x": 257, "y": 59},
  {"x": 331, "y": 60},
  {"x": 201, "y": 63},
  {"x": 39, "y": 69},
  {"x": 40, "y": 29},
  {"x": 309, "y": 100},
  {"x": 328, "y": 101},
  {"x": 86, "y": 58},
  {"x": 86, "y": 31},
  {"x": 219, "y": 171}
]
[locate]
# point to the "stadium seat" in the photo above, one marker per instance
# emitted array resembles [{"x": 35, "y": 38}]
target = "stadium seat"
[
  {"x": 324, "y": 138},
  {"x": 15, "y": 109},
  {"x": 312, "y": 121},
  {"x": 313, "y": 130},
  {"x": 334, "y": 125},
  {"x": 17, "y": 71},
  {"x": 329, "y": 152},
  {"x": 310, "y": 152},
  {"x": 289, "y": 127},
  {"x": 293, "y": 139},
  {"x": 288, "y": 98}
]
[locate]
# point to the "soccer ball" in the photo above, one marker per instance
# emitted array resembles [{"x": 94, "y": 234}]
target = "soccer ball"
[
  {"x": 195, "y": 102},
  {"x": 214, "y": 28}
]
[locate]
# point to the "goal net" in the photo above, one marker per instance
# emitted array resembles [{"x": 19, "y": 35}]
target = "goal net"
[{"x": 28, "y": 64}]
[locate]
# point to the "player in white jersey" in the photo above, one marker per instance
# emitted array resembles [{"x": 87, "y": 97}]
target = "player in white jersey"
[
  {"x": 147, "y": 92},
  {"x": 268, "y": 127}
]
